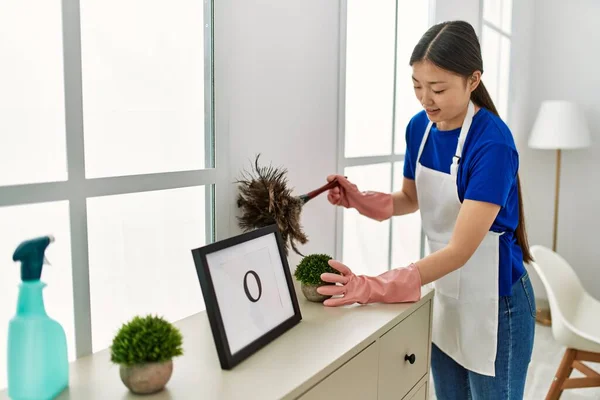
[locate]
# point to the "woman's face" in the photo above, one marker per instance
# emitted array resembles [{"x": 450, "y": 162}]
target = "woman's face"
[{"x": 443, "y": 94}]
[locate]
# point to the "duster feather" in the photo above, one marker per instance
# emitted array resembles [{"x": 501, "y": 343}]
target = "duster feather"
[{"x": 265, "y": 199}]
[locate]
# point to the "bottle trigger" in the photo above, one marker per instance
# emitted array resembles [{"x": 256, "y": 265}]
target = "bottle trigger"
[{"x": 46, "y": 261}]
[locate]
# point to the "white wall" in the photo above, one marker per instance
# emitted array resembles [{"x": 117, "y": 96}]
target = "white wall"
[
  {"x": 564, "y": 66},
  {"x": 520, "y": 120},
  {"x": 466, "y": 10},
  {"x": 279, "y": 98}
]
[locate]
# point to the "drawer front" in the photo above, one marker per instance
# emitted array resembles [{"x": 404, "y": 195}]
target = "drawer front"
[
  {"x": 355, "y": 380},
  {"x": 421, "y": 393},
  {"x": 410, "y": 338}
]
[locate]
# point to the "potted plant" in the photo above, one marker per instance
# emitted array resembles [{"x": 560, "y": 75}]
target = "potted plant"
[
  {"x": 144, "y": 348},
  {"x": 309, "y": 271}
]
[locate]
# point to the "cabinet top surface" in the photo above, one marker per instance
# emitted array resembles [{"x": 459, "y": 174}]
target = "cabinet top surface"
[{"x": 324, "y": 339}]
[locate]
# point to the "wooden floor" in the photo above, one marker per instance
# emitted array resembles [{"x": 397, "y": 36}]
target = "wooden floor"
[{"x": 547, "y": 355}]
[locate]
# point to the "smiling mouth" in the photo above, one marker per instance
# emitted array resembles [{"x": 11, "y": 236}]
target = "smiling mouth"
[{"x": 432, "y": 110}]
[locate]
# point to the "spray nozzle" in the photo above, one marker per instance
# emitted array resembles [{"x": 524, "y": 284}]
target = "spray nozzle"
[{"x": 31, "y": 254}]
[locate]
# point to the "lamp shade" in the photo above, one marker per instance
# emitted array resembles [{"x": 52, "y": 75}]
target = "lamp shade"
[{"x": 560, "y": 125}]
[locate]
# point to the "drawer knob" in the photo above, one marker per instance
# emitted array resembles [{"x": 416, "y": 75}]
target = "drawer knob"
[{"x": 411, "y": 359}]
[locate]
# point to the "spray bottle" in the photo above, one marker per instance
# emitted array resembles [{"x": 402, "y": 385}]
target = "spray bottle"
[{"x": 38, "y": 365}]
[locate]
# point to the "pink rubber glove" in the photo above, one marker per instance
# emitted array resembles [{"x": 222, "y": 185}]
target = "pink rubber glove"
[
  {"x": 375, "y": 205},
  {"x": 400, "y": 285}
]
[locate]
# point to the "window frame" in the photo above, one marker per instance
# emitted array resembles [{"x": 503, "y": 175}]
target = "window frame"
[
  {"x": 77, "y": 188},
  {"x": 342, "y": 160},
  {"x": 483, "y": 22}
]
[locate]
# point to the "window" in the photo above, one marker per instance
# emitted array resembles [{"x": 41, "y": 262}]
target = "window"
[
  {"x": 377, "y": 102},
  {"x": 495, "y": 48},
  {"x": 107, "y": 143}
]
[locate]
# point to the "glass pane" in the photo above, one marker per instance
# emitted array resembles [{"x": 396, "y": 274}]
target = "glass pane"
[
  {"x": 143, "y": 86},
  {"x": 20, "y": 223},
  {"x": 369, "y": 78},
  {"x": 507, "y": 6},
  {"x": 504, "y": 78},
  {"x": 32, "y": 113},
  {"x": 406, "y": 230},
  {"x": 490, "y": 48},
  {"x": 140, "y": 257},
  {"x": 365, "y": 241},
  {"x": 413, "y": 21},
  {"x": 492, "y": 12}
]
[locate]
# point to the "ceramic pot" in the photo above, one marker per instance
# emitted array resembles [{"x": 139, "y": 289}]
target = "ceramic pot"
[
  {"x": 146, "y": 378},
  {"x": 311, "y": 294}
]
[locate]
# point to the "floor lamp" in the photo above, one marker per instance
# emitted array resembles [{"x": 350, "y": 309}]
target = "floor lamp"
[{"x": 560, "y": 125}]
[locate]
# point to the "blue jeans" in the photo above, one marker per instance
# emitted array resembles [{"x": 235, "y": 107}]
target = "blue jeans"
[{"x": 516, "y": 327}]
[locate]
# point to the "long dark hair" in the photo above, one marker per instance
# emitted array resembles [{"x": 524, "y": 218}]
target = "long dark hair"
[{"x": 454, "y": 46}]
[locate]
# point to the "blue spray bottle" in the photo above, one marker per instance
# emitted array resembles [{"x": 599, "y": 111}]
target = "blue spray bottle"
[{"x": 38, "y": 365}]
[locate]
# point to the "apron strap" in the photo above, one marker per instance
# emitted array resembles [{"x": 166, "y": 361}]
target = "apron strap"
[
  {"x": 425, "y": 136},
  {"x": 463, "y": 134}
]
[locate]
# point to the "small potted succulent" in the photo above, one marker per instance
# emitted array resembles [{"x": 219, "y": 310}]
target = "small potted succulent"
[
  {"x": 144, "y": 349},
  {"x": 309, "y": 271}
]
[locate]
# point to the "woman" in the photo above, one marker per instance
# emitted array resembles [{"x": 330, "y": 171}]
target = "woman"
[{"x": 461, "y": 172}]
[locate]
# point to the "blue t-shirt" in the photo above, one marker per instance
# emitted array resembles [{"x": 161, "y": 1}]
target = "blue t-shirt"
[{"x": 487, "y": 172}]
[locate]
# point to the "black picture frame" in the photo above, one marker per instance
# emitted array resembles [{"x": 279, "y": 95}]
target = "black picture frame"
[{"x": 227, "y": 359}]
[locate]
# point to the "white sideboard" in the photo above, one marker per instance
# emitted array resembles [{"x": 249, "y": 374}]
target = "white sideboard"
[{"x": 375, "y": 351}]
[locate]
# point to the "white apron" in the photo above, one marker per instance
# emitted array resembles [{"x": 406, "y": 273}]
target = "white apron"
[{"x": 465, "y": 313}]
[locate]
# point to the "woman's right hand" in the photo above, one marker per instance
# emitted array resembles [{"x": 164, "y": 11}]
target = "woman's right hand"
[{"x": 375, "y": 205}]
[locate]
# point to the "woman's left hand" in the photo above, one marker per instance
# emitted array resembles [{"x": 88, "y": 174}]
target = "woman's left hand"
[
  {"x": 351, "y": 286},
  {"x": 395, "y": 286}
]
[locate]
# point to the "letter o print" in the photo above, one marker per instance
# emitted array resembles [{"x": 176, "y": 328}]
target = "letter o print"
[{"x": 248, "y": 294}]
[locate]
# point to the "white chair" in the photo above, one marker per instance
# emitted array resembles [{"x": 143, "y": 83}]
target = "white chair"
[{"x": 575, "y": 321}]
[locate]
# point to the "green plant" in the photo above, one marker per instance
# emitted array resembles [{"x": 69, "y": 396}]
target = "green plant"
[
  {"x": 311, "y": 267},
  {"x": 145, "y": 340}
]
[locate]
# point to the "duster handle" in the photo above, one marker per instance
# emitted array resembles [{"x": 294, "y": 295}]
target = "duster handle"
[{"x": 311, "y": 195}]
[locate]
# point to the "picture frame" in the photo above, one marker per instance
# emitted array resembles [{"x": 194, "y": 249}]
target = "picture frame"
[{"x": 248, "y": 292}]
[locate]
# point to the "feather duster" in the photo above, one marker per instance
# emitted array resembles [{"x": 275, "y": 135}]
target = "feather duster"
[{"x": 265, "y": 199}]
